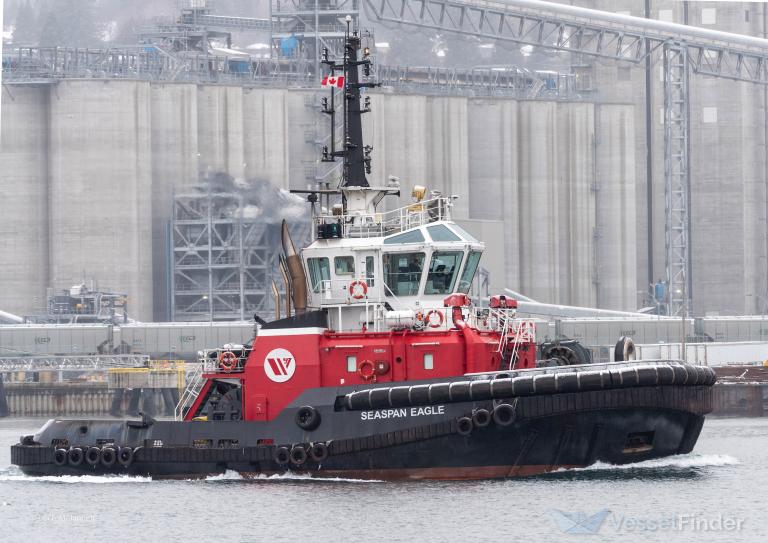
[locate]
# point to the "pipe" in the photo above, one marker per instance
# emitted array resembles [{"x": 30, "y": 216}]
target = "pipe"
[
  {"x": 296, "y": 270},
  {"x": 469, "y": 339},
  {"x": 287, "y": 283},
  {"x": 276, "y": 296},
  {"x": 10, "y": 317},
  {"x": 662, "y": 29},
  {"x": 554, "y": 310}
]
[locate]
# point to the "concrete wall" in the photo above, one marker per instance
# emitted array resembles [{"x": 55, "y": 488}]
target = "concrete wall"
[
  {"x": 24, "y": 198},
  {"x": 729, "y": 227},
  {"x": 100, "y": 187},
  {"x": 96, "y": 164}
]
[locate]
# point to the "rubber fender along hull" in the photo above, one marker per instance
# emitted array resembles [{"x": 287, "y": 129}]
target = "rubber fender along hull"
[{"x": 549, "y": 432}]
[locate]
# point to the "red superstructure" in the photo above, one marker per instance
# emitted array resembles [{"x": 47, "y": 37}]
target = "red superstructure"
[{"x": 284, "y": 363}]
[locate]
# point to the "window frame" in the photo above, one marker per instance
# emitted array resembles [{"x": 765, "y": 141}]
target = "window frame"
[
  {"x": 457, "y": 270},
  {"x": 317, "y": 286},
  {"x": 467, "y": 260},
  {"x": 336, "y": 268},
  {"x": 388, "y": 290}
]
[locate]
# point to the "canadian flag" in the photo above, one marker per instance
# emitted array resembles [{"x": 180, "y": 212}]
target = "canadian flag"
[{"x": 333, "y": 81}]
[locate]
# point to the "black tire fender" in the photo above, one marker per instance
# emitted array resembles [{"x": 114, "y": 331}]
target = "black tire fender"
[
  {"x": 481, "y": 418},
  {"x": 108, "y": 456},
  {"x": 501, "y": 387},
  {"x": 75, "y": 456},
  {"x": 125, "y": 456},
  {"x": 379, "y": 398},
  {"x": 624, "y": 350},
  {"x": 307, "y": 418},
  {"x": 93, "y": 455},
  {"x": 567, "y": 382},
  {"x": 647, "y": 376},
  {"x": 318, "y": 452},
  {"x": 464, "y": 426},
  {"x": 298, "y": 455},
  {"x": 504, "y": 414},
  {"x": 282, "y": 455},
  {"x": 60, "y": 457}
]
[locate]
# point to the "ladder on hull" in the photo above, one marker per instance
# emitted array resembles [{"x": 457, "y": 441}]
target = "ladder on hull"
[{"x": 191, "y": 392}]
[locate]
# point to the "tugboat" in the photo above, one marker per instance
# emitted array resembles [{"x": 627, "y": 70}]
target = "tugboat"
[{"x": 387, "y": 368}]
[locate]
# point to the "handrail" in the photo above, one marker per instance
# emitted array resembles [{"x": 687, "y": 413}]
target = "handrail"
[
  {"x": 391, "y": 222},
  {"x": 191, "y": 392}
]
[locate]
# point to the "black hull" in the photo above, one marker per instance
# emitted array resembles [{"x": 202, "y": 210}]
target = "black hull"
[{"x": 550, "y": 432}]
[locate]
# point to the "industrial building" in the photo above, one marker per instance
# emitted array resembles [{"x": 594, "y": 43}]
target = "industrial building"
[{"x": 554, "y": 172}]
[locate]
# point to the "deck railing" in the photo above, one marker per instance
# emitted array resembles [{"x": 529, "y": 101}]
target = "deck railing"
[{"x": 391, "y": 222}]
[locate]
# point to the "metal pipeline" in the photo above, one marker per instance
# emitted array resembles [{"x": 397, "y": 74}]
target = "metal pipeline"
[
  {"x": 469, "y": 339},
  {"x": 296, "y": 271}
]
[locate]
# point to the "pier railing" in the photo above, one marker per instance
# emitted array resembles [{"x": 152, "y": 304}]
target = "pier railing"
[
  {"x": 72, "y": 363},
  {"x": 155, "y": 63}
]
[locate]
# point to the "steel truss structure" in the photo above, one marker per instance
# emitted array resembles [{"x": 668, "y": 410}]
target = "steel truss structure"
[
  {"x": 222, "y": 263},
  {"x": 622, "y": 38},
  {"x": 677, "y": 174},
  {"x": 50, "y": 64},
  {"x": 312, "y": 25},
  {"x": 72, "y": 363}
]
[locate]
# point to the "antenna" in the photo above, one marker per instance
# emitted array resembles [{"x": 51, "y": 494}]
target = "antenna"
[{"x": 356, "y": 155}]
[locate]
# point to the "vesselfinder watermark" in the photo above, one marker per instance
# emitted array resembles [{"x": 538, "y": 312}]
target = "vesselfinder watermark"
[
  {"x": 607, "y": 521},
  {"x": 69, "y": 518}
]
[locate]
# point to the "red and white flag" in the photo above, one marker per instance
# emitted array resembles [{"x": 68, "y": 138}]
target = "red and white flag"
[{"x": 333, "y": 81}]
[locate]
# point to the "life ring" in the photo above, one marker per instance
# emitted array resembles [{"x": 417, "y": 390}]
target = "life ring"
[
  {"x": 366, "y": 370},
  {"x": 358, "y": 294},
  {"x": 440, "y": 319},
  {"x": 227, "y": 361}
]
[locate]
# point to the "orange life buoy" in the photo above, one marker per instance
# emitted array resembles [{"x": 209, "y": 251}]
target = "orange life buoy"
[
  {"x": 440, "y": 319},
  {"x": 358, "y": 294},
  {"x": 227, "y": 361},
  {"x": 366, "y": 370}
]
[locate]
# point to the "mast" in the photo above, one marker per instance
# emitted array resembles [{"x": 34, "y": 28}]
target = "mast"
[{"x": 356, "y": 155}]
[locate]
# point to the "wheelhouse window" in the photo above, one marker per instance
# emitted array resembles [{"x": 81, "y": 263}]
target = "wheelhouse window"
[
  {"x": 344, "y": 265},
  {"x": 440, "y": 232},
  {"x": 463, "y": 233},
  {"x": 469, "y": 271},
  {"x": 402, "y": 273},
  {"x": 443, "y": 270},
  {"x": 319, "y": 271},
  {"x": 414, "y": 236}
]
